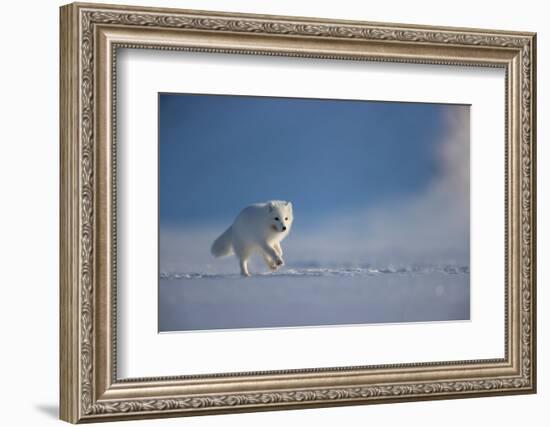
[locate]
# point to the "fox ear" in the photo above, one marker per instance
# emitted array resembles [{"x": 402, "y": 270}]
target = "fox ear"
[
  {"x": 271, "y": 206},
  {"x": 289, "y": 205}
]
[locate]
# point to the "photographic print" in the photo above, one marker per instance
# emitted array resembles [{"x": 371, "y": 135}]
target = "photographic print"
[{"x": 287, "y": 212}]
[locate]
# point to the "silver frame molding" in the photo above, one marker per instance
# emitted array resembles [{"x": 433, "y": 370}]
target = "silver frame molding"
[{"x": 90, "y": 37}]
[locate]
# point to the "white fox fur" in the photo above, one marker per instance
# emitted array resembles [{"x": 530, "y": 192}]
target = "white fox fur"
[{"x": 258, "y": 228}]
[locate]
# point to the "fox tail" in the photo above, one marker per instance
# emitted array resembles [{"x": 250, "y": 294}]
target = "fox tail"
[{"x": 223, "y": 246}]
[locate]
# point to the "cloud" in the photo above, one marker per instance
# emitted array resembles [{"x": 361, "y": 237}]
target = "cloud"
[
  {"x": 436, "y": 223},
  {"x": 432, "y": 226}
]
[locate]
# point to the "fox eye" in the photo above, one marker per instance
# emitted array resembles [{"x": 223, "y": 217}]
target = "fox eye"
[
  {"x": 276, "y": 218},
  {"x": 286, "y": 219}
]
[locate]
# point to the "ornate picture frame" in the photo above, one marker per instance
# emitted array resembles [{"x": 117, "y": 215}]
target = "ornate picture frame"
[{"x": 90, "y": 37}]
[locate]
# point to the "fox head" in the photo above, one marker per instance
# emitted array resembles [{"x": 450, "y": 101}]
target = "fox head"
[{"x": 280, "y": 216}]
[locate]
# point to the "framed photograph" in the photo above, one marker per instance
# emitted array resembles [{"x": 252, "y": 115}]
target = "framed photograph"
[{"x": 267, "y": 212}]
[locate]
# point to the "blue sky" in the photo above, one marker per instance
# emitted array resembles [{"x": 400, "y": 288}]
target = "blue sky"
[
  {"x": 370, "y": 182},
  {"x": 221, "y": 153}
]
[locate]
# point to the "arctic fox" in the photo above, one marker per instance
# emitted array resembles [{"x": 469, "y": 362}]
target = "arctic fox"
[{"x": 257, "y": 228}]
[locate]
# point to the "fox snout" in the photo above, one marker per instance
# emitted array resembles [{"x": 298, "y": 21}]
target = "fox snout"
[{"x": 279, "y": 227}]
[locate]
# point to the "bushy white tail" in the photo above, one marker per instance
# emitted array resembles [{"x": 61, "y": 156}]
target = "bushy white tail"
[{"x": 222, "y": 246}]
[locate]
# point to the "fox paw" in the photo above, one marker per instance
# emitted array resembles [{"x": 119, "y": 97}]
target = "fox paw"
[
  {"x": 273, "y": 266},
  {"x": 279, "y": 262}
]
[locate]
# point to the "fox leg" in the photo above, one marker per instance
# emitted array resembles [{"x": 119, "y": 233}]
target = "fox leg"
[
  {"x": 271, "y": 253},
  {"x": 244, "y": 267},
  {"x": 243, "y": 256},
  {"x": 278, "y": 249},
  {"x": 270, "y": 263}
]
